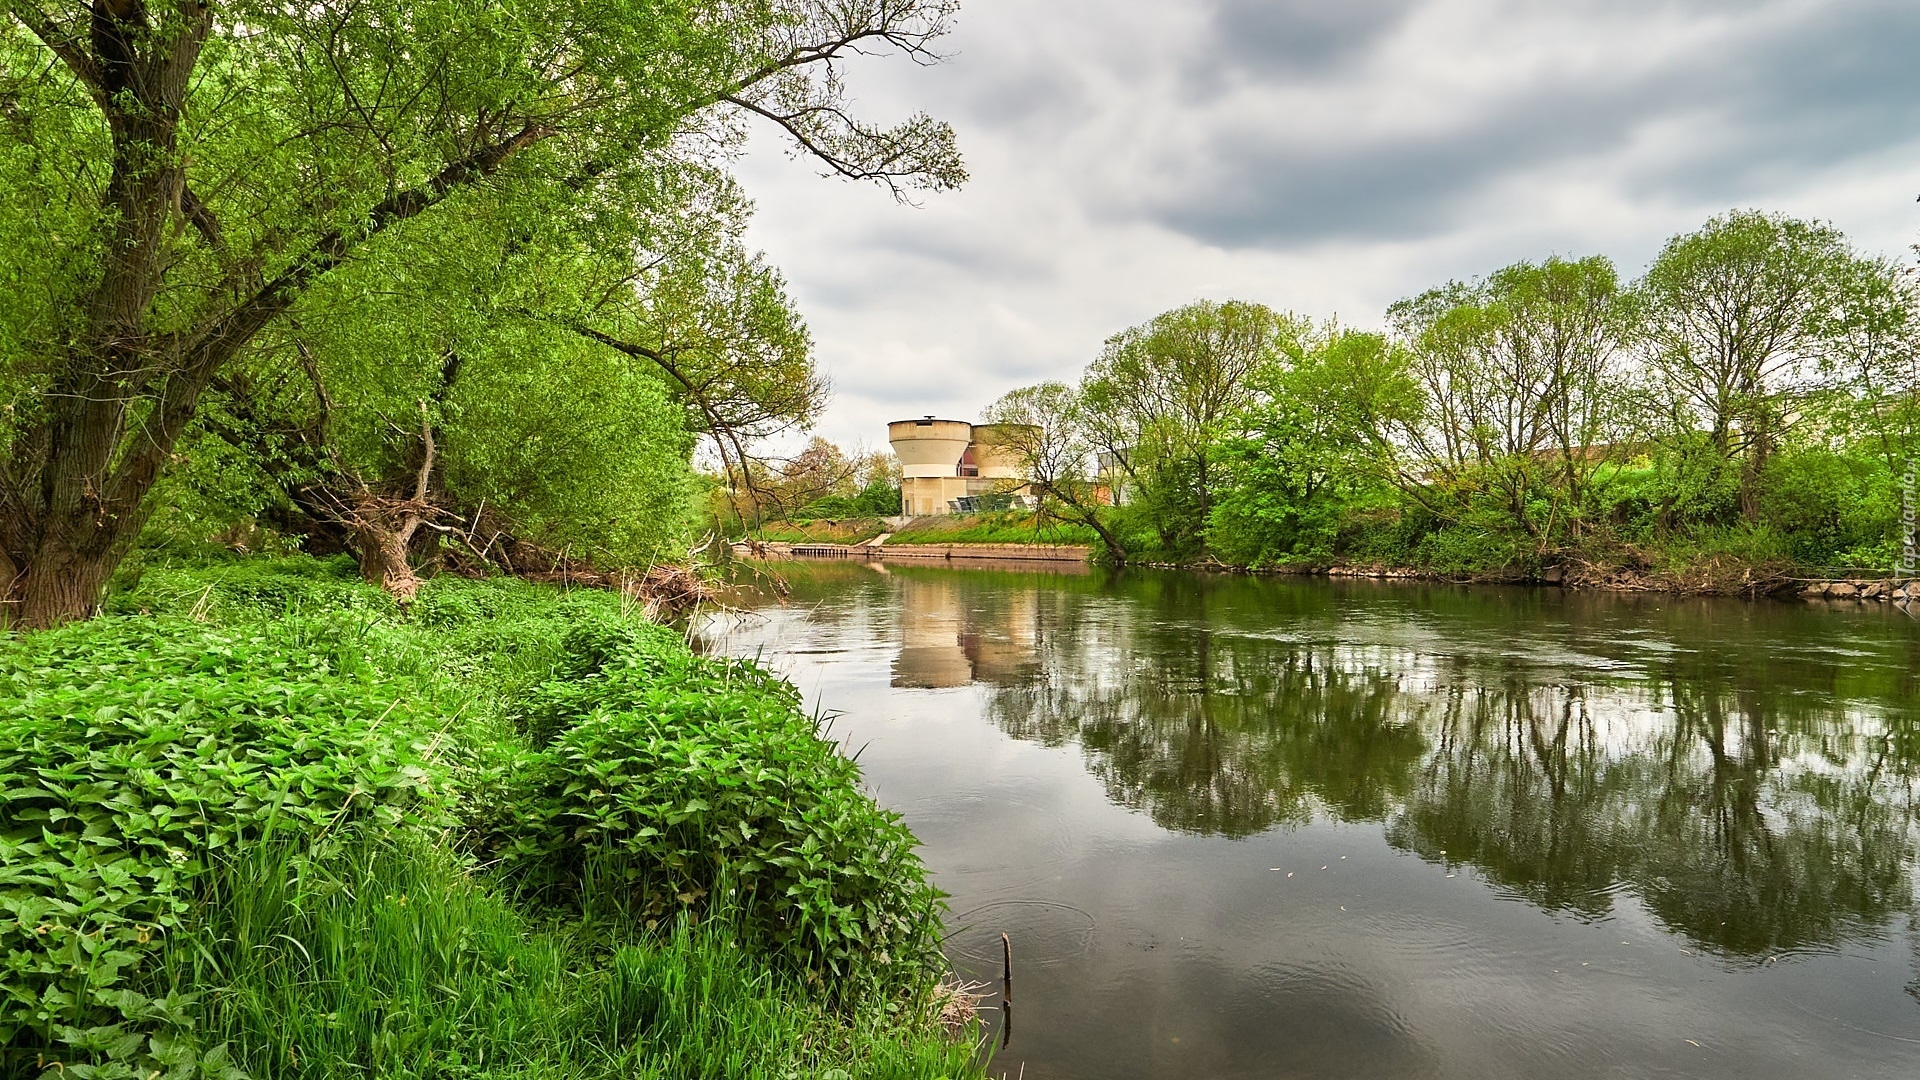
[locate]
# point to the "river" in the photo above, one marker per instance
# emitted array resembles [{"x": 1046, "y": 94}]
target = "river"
[{"x": 1298, "y": 828}]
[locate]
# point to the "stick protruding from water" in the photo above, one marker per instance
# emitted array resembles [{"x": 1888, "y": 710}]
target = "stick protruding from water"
[{"x": 1006, "y": 990}]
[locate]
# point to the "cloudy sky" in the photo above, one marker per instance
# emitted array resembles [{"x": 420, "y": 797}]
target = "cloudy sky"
[{"x": 1323, "y": 156}]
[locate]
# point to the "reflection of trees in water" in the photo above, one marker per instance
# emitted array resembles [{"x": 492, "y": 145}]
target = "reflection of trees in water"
[
  {"x": 1224, "y": 739},
  {"x": 1745, "y": 849},
  {"x": 1754, "y": 819}
]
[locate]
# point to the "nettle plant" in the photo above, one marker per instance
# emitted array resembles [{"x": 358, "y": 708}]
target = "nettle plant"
[
  {"x": 133, "y": 756},
  {"x": 672, "y": 783}
]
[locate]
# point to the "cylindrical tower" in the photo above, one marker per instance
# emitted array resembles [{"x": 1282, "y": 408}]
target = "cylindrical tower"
[
  {"x": 996, "y": 449},
  {"x": 929, "y": 447},
  {"x": 929, "y": 451}
]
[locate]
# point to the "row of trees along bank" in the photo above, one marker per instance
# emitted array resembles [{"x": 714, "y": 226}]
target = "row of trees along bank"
[
  {"x": 392, "y": 275},
  {"x": 1745, "y": 408}
]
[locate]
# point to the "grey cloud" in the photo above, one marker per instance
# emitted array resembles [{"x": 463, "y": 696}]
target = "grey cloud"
[
  {"x": 1287, "y": 39},
  {"x": 1113, "y": 180},
  {"x": 975, "y": 251},
  {"x": 1267, "y": 194},
  {"x": 1023, "y": 90},
  {"x": 1834, "y": 86},
  {"x": 1835, "y": 89}
]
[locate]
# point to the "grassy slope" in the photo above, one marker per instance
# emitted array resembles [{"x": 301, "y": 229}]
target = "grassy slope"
[
  {"x": 845, "y": 531},
  {"x": 998, "y": 528},
  {"x": 319, "y": 911}
]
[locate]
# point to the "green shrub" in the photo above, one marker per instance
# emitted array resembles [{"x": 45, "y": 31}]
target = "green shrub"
[
  {"x": 226, "y": 590},
  {"x": 133, "y": 750},
  {"x": 879, "y": 499},
  {"x": 1834, "y": 509},
  {"x": 666, "y": 779},
  {"x": 830, "y": 507},
  {"x": 1465, "y": 549},
  {"x": 145, "y": 761}
]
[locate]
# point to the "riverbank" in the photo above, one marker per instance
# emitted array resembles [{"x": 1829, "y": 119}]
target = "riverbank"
[
  {"x": 1733, "y": 563},
  {"x": 983, "y": 554},
  {"x": 258, "y": 820},
  {"x": 1712, "y": 579},
  {"x": 1003, "y": 528}
]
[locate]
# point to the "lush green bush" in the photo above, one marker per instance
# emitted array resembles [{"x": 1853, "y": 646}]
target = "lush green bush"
[
  {"x": 133, "y": 750},
  {"x": 230, "y": 588},
  {"x": 667, "y": 779},
  {"x": 286, "y": 708},
  {"x": 1834, "y": 509},
  {"x": 878, "y": 499},
  {"x": 829, "y": 508}
]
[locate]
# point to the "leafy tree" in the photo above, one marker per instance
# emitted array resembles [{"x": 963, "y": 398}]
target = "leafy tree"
[
  {"x": 1739, "y": 318},
  {"x": 1308, "y": 455},
  {"x": 1162, "y": 397},
  {"x": 189, "y": 176},
  {"x": 1048, "y": 429},
  {"x": 446, "y": 398},
  {"x": 1519, "y": 382},
  {"x": 1872, "y": 362}
]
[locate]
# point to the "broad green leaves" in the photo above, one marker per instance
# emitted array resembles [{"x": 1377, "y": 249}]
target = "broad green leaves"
[
  {"x": 202, "y": 189},
  {"x": 133, "y": 753},
  {"x": 671, "y": 779}
]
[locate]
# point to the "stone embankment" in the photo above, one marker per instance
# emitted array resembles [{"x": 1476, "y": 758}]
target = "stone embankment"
[
  {"x": 1880, "y": 590},
  {"x": 974, "y": 553}
]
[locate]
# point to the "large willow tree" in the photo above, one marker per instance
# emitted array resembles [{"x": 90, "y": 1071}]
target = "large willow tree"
[{"x": 178, "y": 178}]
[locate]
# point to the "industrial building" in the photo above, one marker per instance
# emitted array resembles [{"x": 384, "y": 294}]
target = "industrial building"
[{"x": 951, "y": 466}]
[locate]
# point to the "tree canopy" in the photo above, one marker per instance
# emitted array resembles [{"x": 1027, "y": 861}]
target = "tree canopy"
[{"x": 190, "y": 188}]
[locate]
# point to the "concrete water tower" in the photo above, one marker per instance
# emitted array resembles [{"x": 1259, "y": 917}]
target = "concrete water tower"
[
  {"x": 929, "y": 451},
  {"x": 996, "y": 450}
]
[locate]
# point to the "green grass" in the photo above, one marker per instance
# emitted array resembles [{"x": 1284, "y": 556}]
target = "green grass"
[
  {"x": 845, "y": 531},
  {"x": 261, "y": 818},
  {"x": 1000, "y": 528},
  {"x": 388, "y": 959}
]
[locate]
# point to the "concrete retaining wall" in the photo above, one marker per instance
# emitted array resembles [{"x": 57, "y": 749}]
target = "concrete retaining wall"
[
  {"x": 1025, "y": 553},
  {"x": 997, "y": 552}
]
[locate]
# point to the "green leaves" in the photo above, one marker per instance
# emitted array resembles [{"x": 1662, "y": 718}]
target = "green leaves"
[
  {"x": 130, "y": 752},
  {"x": 670, "y": 780},
  {"x": 588, "y": 752}
]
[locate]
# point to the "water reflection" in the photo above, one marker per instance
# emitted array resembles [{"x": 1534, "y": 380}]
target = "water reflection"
[
  {"x": 1246, "y": 828},
  {"x": 952, "y": 636},
  {"x": 1751, "y": 815}
]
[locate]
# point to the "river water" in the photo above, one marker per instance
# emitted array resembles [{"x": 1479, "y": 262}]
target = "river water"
[{"x": 1298, "y": 828}]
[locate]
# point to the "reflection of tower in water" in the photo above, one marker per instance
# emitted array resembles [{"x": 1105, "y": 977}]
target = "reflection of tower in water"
[
  {"x": 944, "y": 644},
  {"x": 931, "y": 620},
  {"x": 1002, "y": 643}
]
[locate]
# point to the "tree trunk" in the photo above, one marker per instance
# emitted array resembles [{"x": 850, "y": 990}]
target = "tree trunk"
[
  {"x": 63, "y": 585},
  {"x": 74, "y": 485},
  {"x": 58, "y": 572},
  {"x": 1089, "y": 516},
  {"x": 55, "y": 562},
  {"x": 382, "y": 552}
]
